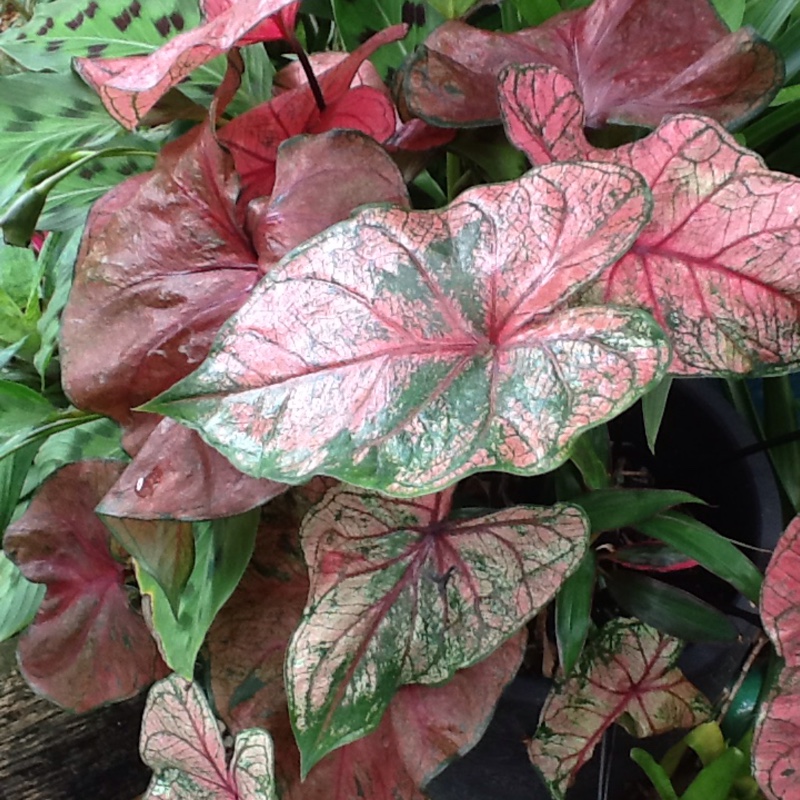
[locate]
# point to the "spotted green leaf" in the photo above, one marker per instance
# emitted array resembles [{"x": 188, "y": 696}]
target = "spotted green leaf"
[
  {"x": 401, "y": 595},
  {"x": 181, "y": 743},
  {"x": 426, "y": 346}
]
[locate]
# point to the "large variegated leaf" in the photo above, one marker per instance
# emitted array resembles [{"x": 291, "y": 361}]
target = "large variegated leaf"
[
  {"x": 716, "y": 265},
  {"x": 635, "y": 61},
  {"x": 626, "y": 674},
  {"x": 181, "y": 742},
  {"x": 87, "y": 645},
  {"x": 404, "y": 350},
  {"x": 274, "y": 28},
  {"x": 131, "y": 85},
  {"x": 776, "y": 743},
  {"x": 423, "y": 728},
  {"x": 400, "y": 595}
]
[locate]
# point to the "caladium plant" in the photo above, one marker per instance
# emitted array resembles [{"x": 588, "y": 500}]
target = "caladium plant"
[{"x": 336, "y": 332}]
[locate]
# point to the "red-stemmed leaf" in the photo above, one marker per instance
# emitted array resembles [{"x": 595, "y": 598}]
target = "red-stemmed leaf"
[
  {"x": 351, "y": 167},
  {"x": 274, "y": 29},
  {"x": 626, "y": 674},
  {"x": 423, "y": 728},
  {"x": 634, "y": 60},
  {"x": 401, "y": 595},
  {"x": 425, "y": 346},
  {"x": 715, "y": 265},
  {"x": 87, "y": 645},
  {"x": 162, "y": 265},
  {"x": 181, "y": 742},
  {"x": 254, "y": 137},
  {"x": 776, "y": 743},
  {"x": 176, "y": 475},
  {"x": 129, "y": 87}
]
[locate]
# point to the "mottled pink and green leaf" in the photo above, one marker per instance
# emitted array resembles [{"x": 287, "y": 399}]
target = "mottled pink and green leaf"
[{"x": 405, "y": 350}]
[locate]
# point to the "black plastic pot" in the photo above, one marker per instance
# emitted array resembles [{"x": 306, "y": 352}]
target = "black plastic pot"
[{"x": 698, "y": 450}]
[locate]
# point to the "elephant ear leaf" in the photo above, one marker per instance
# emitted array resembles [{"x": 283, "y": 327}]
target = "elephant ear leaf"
[
  {"x": 181, "y": 743},
  {"x": 627, "y": 674},
  {"x": 715, "y": 264},
  {"x": 776, "y": 743},
  {"x": 426, "y": 346},
  {"x": 400, "y": 595},
  {"x": 87, "y": 644}
]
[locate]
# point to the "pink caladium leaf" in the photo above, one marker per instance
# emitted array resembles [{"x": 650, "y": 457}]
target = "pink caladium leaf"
[
  {"x": 176, "y": 475},
  {"x": 274, "y": 29},
  {"x": 351, "y": 167},
  {"x": 425, "y": 346},
  {"x": 626, "y": 674},
  {"x": 163, "y": 263},
  {"x": 776, "y": 743},
  {"x": 129, "y": 87},
  {"x": 254, "y": 137},
  {"x": 635, "y": 61},
  {"x": 423, "y": 728},
  {"x": 401, "y": 595},
  {"x": 87, "y": 645},
  {"x": 715, "y": 264},
  {"x": 181, "y": 743}
]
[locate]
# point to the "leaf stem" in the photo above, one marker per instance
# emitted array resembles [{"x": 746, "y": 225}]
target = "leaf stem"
[{"x": 297, "y": 49}]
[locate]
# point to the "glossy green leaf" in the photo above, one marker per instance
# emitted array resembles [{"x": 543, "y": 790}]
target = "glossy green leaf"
[
  {"x": 356, "y": 22},
  {"x": 711, "y": 550},
  {"x": 21, "y": 409},
  {"x": 669, "y": 609},
  {"x": 611, "y": 509},
  {"x": 716, "y": 780},
  {"x": 590, "y": 454},
  {"x": 768, "y": 16},
  {"x": 653, "y": 405},
  {"x": 573, "y": 612},
  {"x": 13, "y": 473},
  {"x": 656, "y": 773},
  {"x": 731, "y": 11},
  {"x": 56, "y": 422},
  {"x": 401, "y": 595},
  {"x": 19, "y": 598},
  {"x": 222, "y": 550},
  {"x": 780, "y": 419}
]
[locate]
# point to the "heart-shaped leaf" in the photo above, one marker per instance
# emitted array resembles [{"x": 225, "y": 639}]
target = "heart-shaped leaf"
[
  {"x": 430, "y": 345},
  {"x": 176, "y": 475},
  {"x": 776, "y": 743},
  {"x": 626, "y": 674},
  {"x": 635, "y": 61},
  {"x": 181, "y": 742},
  {"x": 715, "y": 265},
  {"x": 155, "y": 250},
  {"x": 132, "y": 85},
  {"x": 254, "y": 137},
  {"x": 87, "y": 645},
  {"x": 423, "y": 728},
  {"x": 400, "y": 595}
]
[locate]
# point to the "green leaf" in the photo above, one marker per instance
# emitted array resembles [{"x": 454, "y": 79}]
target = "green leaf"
[
  {"x": 731, "y": 11},
  {"x": 20, "y": 219},
  {"x": 716, "y": 780},
  {"x": 780, "y": 418},
  {"x": 43, "y": 114},
  {"x": 19, "y": 598},
  {"x": 590, "y": 455},
  {"x": 768, "y": 16},
  {"x": 222, "y": 550},
  {"x": 13, "y": 473},
  {"x": 535, "y": 12},
  {"x": 668, "y": 609},
  {"x": 57, "y": 258},
  {"x": 21, "y": 409},
  {"x": 656, "y": 773},
  {"x": 452, "y": 9},
  {"x": 711, "y": 550},
  {"x": 55, "y": 423},
  {"x": 62, "y": 30},
  {"x": 357, "y": 21},
  {"x": 100, "y": 439},
  {"x": 573, "y": 612},
  {"x": 19, "y": 274},
  {"x": 789, "y": 94},
  {"x": 653, "y": 405},
  {"x": 611, "y": 509}
]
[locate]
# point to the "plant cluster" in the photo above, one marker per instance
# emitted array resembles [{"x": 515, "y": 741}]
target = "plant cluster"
[{"x": 322, "y": 281}]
